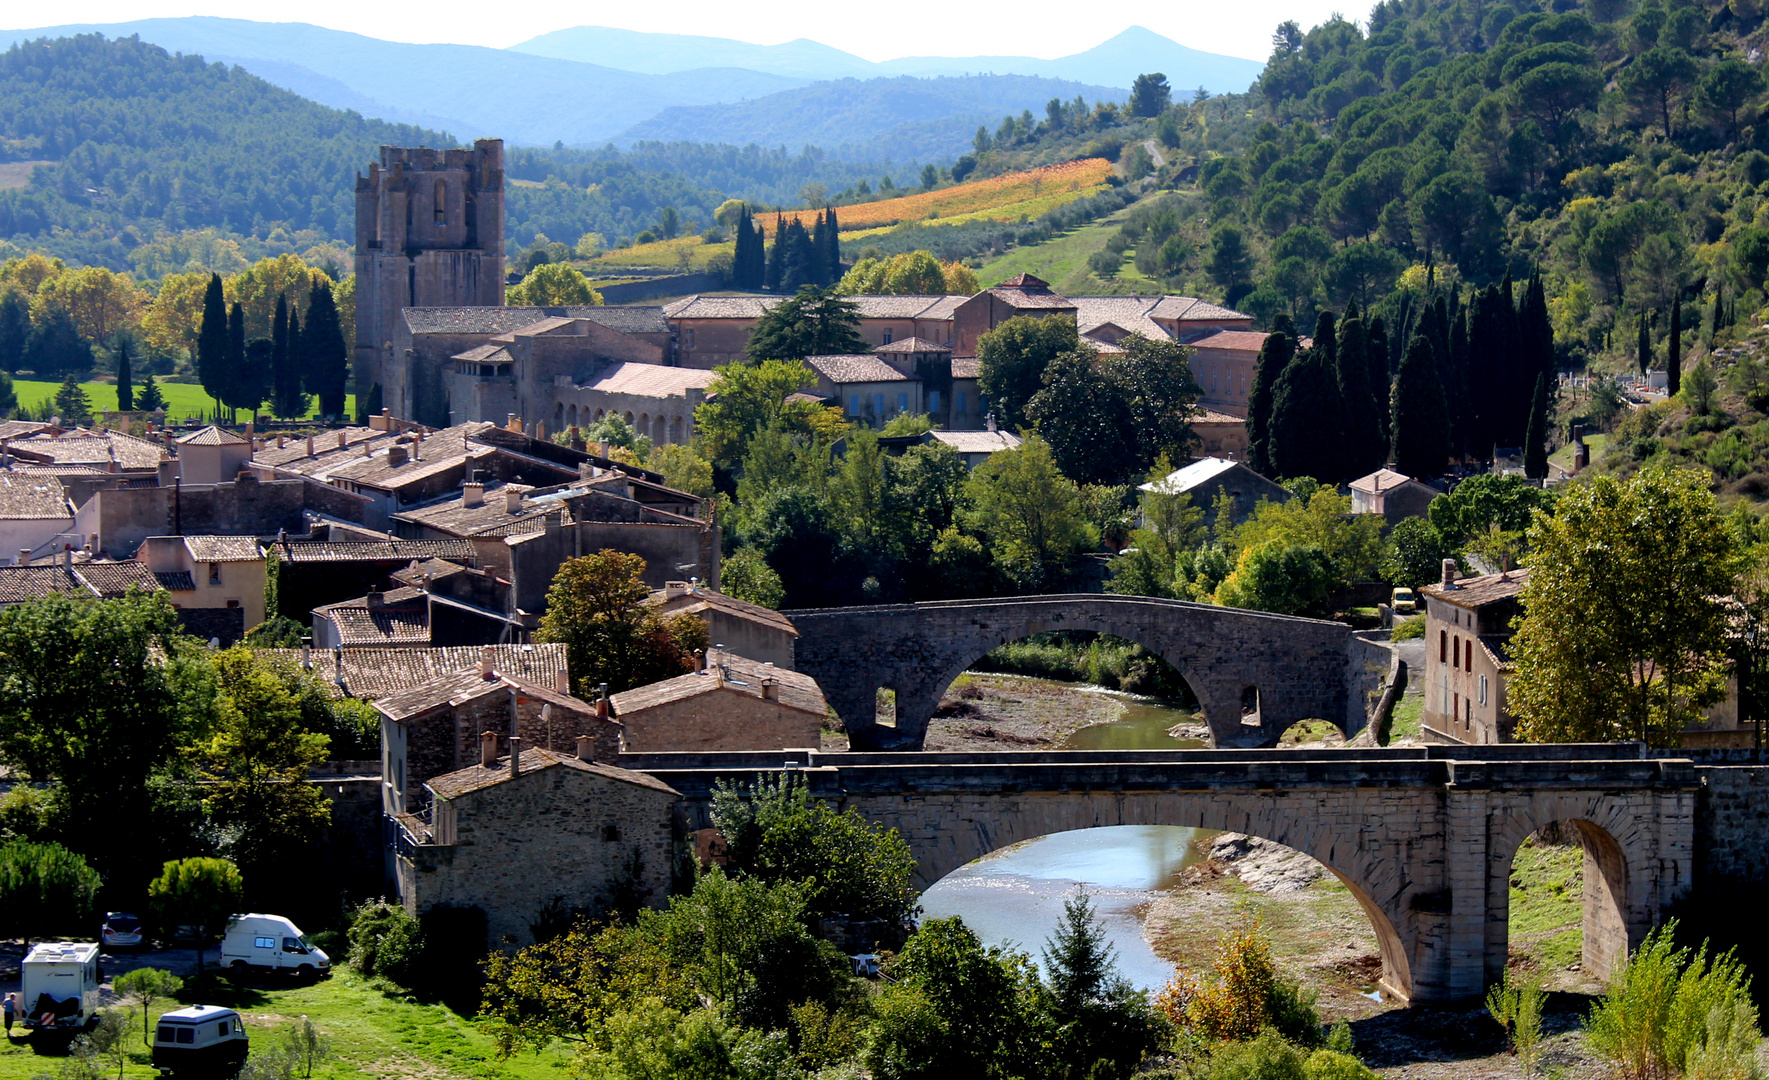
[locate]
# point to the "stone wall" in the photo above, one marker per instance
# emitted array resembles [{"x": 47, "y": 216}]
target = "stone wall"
[
  {"x": 593, "y": 842},
  {"x": 123, "y": 517},
  {"x": 1732, "y": 818},
  {"x": 719, "y": 720},
  {"x": 446, "y": 739}
]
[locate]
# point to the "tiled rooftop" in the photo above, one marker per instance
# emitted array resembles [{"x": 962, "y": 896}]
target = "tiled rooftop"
[
  {"x": 490, "y": 518},
  {"x": 1182, "y": 308},
  {"x": 332, "y": 551},
  {"x": 1232, "y": 340},
  {"x": 212, "y": 436},
  {"x": 83, "y": 447},
  {"x": 966, "y": 367},
  {"x": 224, "y": 548},
  {"x": 651, "y": 380},
  {"x": 376, "y": 673},
  {"x": 856, "y": 369},
  {"x": 913, "y": 345},
  {"x": 27, "y": 497},
  {"x": 743, "y": 676},
  {"x": 978, "y": 442},
  {"x": 402, "y": 619},
  {"x": 1476, "y": 591},
  {"x": 697, "y": 599},
  {"x": 502, "y": 320},
  {"x": 456, "y": 784},
  {"x": 465, "y": 685},
  {"x": 113, "y": 579},
  {"x": 892, "y": 307},
  {"x": 721, "y": 307}
]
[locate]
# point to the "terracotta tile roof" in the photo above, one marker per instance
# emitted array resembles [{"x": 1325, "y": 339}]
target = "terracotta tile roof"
[
  {"x": 1129, "y": 313},
  {"x": 1182, "y": 308},
  {"x": 212, "y": 436},
  {"x": 721, "y": 307},
  {"x": 856, "y": 369},
  {"x": 978, "y": 442},
  {"x": 1249, "y": 341},
  {"x": 83, "y": 447},
  {"x": 1498, "y": 649},
  {"x": 966, "y": 367},
  {"x": 1032, "y": 300},
  {"x": 403, "y": 618},
  {"x": 113, "y": 579},
  {"x": 913, "y": 345},
  {"x": 489, "y": 519},
  {"x": 466, "y": 685},
  {"x": 33, "y": 498},
  {"x": 295, "y": 450},
  {"x": 476, "y": 778},
  {"x": 329, "y": 551},
  {"x": 422, "y": 572},
  {"x": 371, "y": 673},
  {"x": 21, "y": 583},
  {"x": 1381, "y": 480},
  {"x": 651, "y": 380},
  {"x": 224, "y": 548},
  {"x": 1024, "y": 281},
  {"x": 1476, "y": 591},
  {"x": 12, "y": 429},
  {"x": 697, "y": 599},
  {"x": 502, "y": 320},
  {"x": 380, "y": 471},
  {"x": 1211, "y": 416},
  {"x": 892, "y": 307},
  {"x": 743, "y": 676},
  {"x": 176, "y": 580}
]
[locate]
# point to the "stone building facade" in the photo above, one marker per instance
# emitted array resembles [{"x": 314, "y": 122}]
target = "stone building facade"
[
  {"x": 606, "y": 843},
  {"x": 734, "y": 703},
  {"x": 429, "y": 233},
  {"x": 1467, "y": 630},
  {"x": 748, "y": 630}
]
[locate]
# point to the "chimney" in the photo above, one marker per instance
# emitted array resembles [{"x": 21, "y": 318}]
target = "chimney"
[
  {"x": 515, "y": 756},
  {"x": 24, "y": 557},
  {"x": 486, "y": 655},
  {"x": 562, "y": 682},
  {"x": 512, "y": 501},
  {"x": 1581, "y": 454},
  {"x": 307, "y": 655},
  {"x": 376, "y": 599},
  {"x": 397, "y": 456},
  {"x": 343, "y": 440},
  {"x": 488, "y": 749},
  {"x": 309, "y": 446},
  {"x": 472, "y": 495},
  {"x": 602, "y": 703},
  {"x": 1449, "y": 573},
  {"x": 540, "y": 430},
  {"x": 675, "y": 590},
  {"x": 279, "y": 440},
  {"x": 586, "y": 748},
  {"x": 770, "y": 690}
]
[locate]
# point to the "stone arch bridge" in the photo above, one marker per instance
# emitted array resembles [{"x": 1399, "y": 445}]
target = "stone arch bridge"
[
  {"x": 1254, "y": 673},
  {"x": 1423, "y": 837}
]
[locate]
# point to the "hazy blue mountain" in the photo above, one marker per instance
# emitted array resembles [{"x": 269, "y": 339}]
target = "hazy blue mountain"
[
  {"x": 467, "y": 90},
  {"x": 1112, "y": 63},
  {"x": 855, "y": 118}
]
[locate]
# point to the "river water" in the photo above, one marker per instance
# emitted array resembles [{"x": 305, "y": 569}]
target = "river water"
[{"x": 1015, "y": 896}]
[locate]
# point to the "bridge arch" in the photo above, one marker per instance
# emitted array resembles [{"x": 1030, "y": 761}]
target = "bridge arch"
[{"x": 1299, "y": 668}]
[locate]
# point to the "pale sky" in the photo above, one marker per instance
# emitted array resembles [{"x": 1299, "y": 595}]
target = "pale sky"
[{"x": 1039, "y": 28}]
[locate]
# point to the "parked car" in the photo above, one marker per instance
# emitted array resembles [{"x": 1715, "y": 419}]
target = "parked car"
[
  {"x": 121, "y": 930},
  {"x": 58, "y": 984},
  {"x": 1404, "y": 602},
  {"x": 270, "y": 942},
  {"x": 200, "y": 1041}
]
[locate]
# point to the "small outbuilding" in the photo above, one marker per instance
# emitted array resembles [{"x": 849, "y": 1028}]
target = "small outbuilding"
[{"x": 734, "y": 703}]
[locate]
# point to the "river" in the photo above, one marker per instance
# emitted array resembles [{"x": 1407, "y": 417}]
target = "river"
[{"x": 1015, "y": 896}]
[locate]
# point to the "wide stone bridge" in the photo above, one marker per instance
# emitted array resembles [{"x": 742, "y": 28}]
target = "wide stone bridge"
[
  {"x": 1254, "y": 673},
  {"x": 1423, "y": 837}
]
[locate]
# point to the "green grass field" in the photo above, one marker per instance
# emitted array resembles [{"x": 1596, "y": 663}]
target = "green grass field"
[
  {"x": 1547, "y": 904},
  {"x": 372, "y": 1035},
  {"x": 1563, "y": 456},
  {"x": 1062, "y": 261},
  {"x": 182, "y": 399}
]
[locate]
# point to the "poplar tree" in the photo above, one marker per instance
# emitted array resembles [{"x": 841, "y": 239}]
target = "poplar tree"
[
  {"x": 1674, "y": 350},
  {"x": 1420, "y": 443},
  {"x": 1535, "y": 436},
  {"x": 125, "y": 377},
  {"x": 212, "y": 341},
  {"x": 1274, "y": 357}
]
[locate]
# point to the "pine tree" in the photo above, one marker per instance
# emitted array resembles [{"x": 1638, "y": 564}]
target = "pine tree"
[
  {"x": 125, "y": 377},
  {"x": 1643, "y": 348},
  {"x": 236, "y": 381},
  {"x": 1274, "y": 356},
  {"x": 776, "y": 264},
  {"x": 1420, "y": 443},
  {"x": 71, "y": 404},
  {"x": 1535, "y": 438},
  {"x": 327, "y": 368},
  {"x": 212, "y": 341},
  {"x": 1674, "y": 350},
  {"x": 150, "y": 399}
]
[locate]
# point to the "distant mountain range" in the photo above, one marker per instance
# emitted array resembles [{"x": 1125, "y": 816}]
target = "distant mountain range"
[{"x": 562, "y": 87}]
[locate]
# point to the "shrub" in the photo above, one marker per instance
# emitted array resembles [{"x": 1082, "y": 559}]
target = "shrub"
[
  {"x": 1335, "y": 1065},
  {"x": 386, "y": 941},
  {"x": 1729, "y": 1049},
  {"x": 1267, "y": 1056},
  {"x": 1243, "y": 995},
  {"x": 1408, "y": 629},
  {"x": 1517, "y": 1006},
  {"x": 1658, "y": 1009}
]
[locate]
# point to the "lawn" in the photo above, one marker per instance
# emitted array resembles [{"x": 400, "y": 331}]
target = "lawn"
[
  {"x": 1408, "y": 716},
  {"x": 372, "y": 1035},
  {"x": 1062, "y": 261},
  {"x": 1563, "y": 456},
  {"x": 1547, "y": 905},
  {"x": 182, "y": 399}
]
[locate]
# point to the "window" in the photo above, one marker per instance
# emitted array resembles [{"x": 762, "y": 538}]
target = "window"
[
  {"x": 688, "y": 338},
  {"x": 234, "y": 602},
  {"x": 1455, "y": 706},
  {"x": 878, "y": 404},
  {"x": 264, "y": 943},
  {"x": 289, "y": 945},
  {"x": 933, "y": 401},
  {"x": 1481, "y": 687},
  {"x": 888, "y": 335},
  {"x": 1468, "y": 656},
  {"x": 214, "y": 573},
  {"x": 164, "y": 1034},
  {"x": 1455, "y": 653},
  {"x": 221, "y": 1028},
  {"x": 854, "y": 406},
  {"x": 958, "y": 399},
  {"x": 902, "y": 402},
  {"x": 441, "y": 200},
  {"x": 611, "y": 833},
  {"x": 187, "y": 1035},
  {"x": 1443, "y": 647}
]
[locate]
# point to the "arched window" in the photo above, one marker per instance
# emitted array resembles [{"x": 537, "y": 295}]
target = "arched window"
[
  {"x": 441, "y": 203},
  {"x": 1456, "y": 653},
  {"x": 1468, "y": 656},
  {"x": 1443, "y": 647}
]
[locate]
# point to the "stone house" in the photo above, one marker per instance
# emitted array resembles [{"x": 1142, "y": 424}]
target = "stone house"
[
  {"x": 746, "y": 629},
  {"x": 387, "y": 620},
  {"x": 1221, "y": 435},
  {"x": 122, "y": 518},
  {"x": 34, "y": 511},
  {"x": 314, "y": 573},
  {"x": 972, "y": 447},
  {"x": 209, "y": 572},
  {"x": 867, "y": 390},
  {"x": 1209, "y": 480},
  {"x": 65, "y": 576},
  {"x": 1467, "y": 631},
  {"x": 371, "y": 674},
  {"x": 1021, "y": 294},
  {"x": 1223, "y": 362},
  {"x": 714, "y": 330},
  {"x": 1391, "y": 494},
  {"x": 512, "y": 835},
  {"x": 436, "y": 727},
  {"x": 733, "y": 703},
  {"x": 212, "y": 455}
]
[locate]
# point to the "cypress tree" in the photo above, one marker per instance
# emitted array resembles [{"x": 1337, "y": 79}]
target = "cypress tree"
[
  {"x": 328, "y": 366},
  {"x": 1456, "y": 379},
  {"x": 835, "y": 247},
  {"x": 817, "y": 257},
  {"x": 297, "y": 348},
  {"x": 1325, "y": 339},
  {"x": 1274, "y": 356},
  {"x": 1643, "y": 346},
  {"x": 776, "y": 264},
  {"x": 125, "y": 377},
  {"x": 1381, "y": 379},
  {"x": 1420, "y": 442},
  {"x": 1308, "y": 419},
  {"x": 279, "y": 357},
  {"x": 15, "y": 329},
  {"x": 236, "y": 382},
  {"x": 212, "y": 341},
  {"x": 1714, "y": 320},
  {"x": 1674, "y": 350},
  {"x": 1535, "y": 438},
  {"x": 1363, "y": 446}
]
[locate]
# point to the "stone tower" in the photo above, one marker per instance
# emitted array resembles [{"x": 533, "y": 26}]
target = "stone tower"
[{"x": 429, "y": 233}]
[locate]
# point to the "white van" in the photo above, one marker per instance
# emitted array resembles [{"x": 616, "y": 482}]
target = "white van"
[
  {"x": 201, "y": 1041},
  {"x": 270, "y": 942},
  {"x": 58, "y": 986}
]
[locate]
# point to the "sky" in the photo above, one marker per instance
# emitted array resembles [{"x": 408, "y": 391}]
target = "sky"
[{"x": 1039, "y": 28}]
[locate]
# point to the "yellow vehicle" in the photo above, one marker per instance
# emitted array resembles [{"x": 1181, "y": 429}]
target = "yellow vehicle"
[{"x": 1404, "y": 602}]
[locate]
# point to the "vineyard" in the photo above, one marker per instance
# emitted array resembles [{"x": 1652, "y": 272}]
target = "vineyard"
[{"x": 1001, "y": 198}]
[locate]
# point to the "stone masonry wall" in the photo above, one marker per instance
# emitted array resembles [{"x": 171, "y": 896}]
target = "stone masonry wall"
[
  {"x": 1732, "y": 819},
  {"x": 719, "y": 720},
  {"x": 447, "y": 738}
]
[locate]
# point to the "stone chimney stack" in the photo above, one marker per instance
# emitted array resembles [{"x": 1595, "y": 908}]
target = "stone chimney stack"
[
  {"x": 24, "y": 557},
  {"x": 472, "y": 495},
  {"x": 586, "y": 748},
  {"x": 562, "y": 682},
  {"x": 512, "y": 501},
  {"x": 770, "y": 689},
  {"x": 602, "y": 704},
  {"x": 675, "y": 590},
  {"x": 1449, "y": 573},
  {"x": 309, "y": 446},
  {"x": 397, "y": 456},
  {"x": 488, "y": 749},
  {"x": 486, "y": 655},
  {"x": 376, "y": 599},
  {"x": 515, "y": 756}
]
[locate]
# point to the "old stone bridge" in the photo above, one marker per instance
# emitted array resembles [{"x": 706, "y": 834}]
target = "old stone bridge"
[
  {"x": 1423, "y": 837},
  {"x": 1254, "y": 674}
]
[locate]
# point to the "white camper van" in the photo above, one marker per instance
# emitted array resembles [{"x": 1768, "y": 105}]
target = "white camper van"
[
  {"x": 200, "y": 1041},
  {"x": 59, "y": 986},
  {"x": 270, "y": 942}
]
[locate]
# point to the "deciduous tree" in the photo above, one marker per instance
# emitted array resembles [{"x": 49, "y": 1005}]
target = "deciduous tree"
[
  {"x": 1012, "y": 358},
  {"x": 200, "y": 893},
  {"x": 596, "y": 608}
]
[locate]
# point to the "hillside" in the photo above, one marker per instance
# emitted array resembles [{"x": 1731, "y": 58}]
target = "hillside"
[
  {"x": 1112, "y": 63},
  {"x": 899, "y": 118}
]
